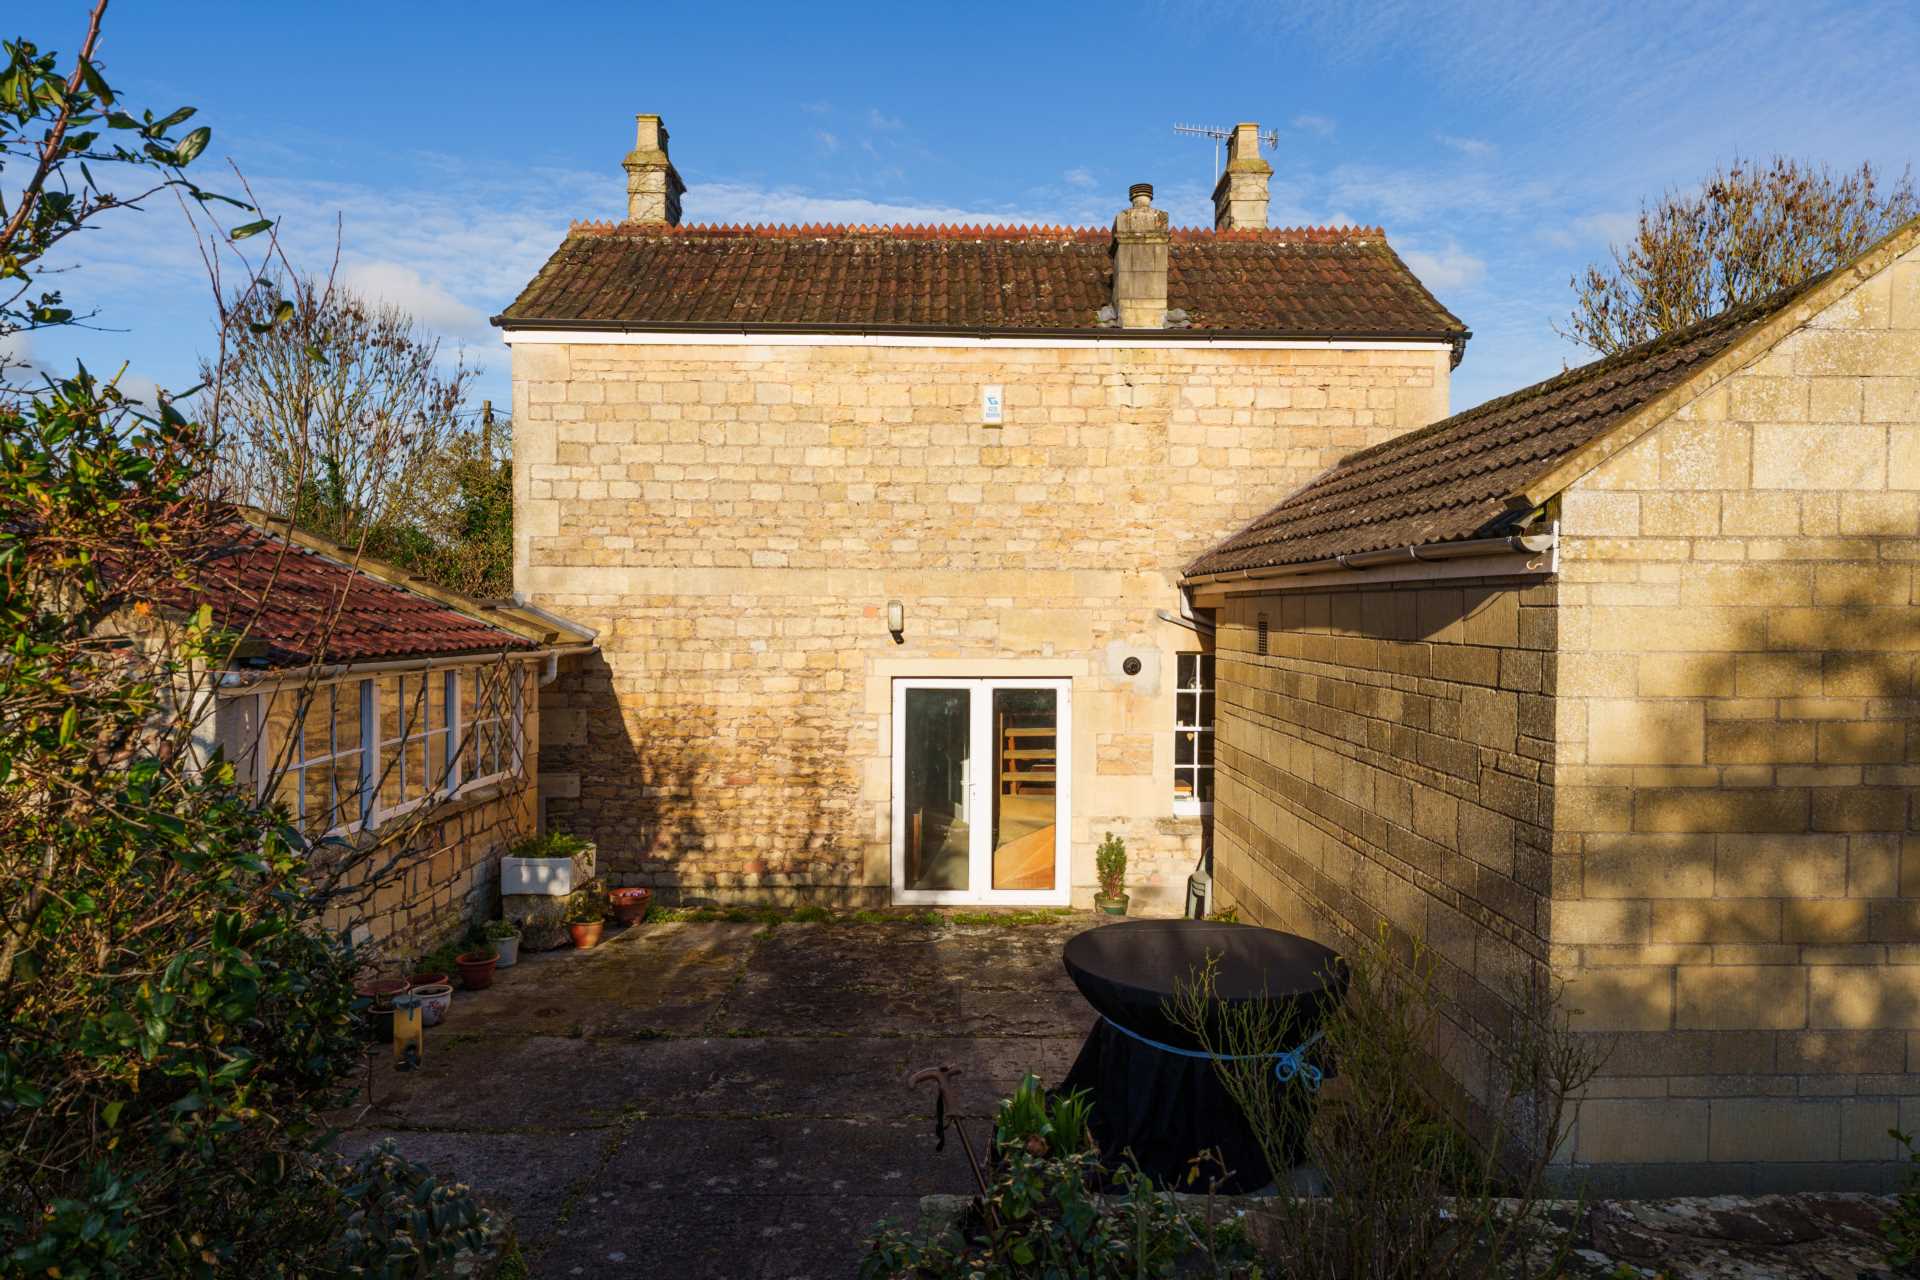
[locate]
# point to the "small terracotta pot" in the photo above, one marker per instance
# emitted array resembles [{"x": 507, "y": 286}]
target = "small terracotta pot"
[
  {"x": 630, "y": 905},
  {"x": 428, "y": 979},
  {"x": 434, "y": 999},
  {"x": 476, "y": 969},
  {"x": 586, "y": 934}
]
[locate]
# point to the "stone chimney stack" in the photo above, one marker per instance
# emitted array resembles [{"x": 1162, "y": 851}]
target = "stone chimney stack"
[
  {"x": 1140, "y": 240},
  {"x": 653, "y": 187},
  {"x": 1240, "y": 197}
]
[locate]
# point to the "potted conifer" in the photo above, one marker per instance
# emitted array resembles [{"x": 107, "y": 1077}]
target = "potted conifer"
[{"x": 1110, "y": 869}]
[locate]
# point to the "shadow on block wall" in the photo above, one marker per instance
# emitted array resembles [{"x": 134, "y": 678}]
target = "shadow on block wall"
[
  {"x": 1751, "y": 806},
  {"x": 702, "y": 806}
]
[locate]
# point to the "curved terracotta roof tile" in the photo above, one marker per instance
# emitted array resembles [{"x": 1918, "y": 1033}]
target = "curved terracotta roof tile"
[{"x": 1291, "y": 281}]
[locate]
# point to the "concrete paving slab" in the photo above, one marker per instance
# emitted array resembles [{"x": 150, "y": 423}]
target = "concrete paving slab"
[
  {"x": 649, "y": 978},
  {"x": 801, "y": 1237},
  {"x": 532, "y": 1176},
  {"x": 723, "y": 1099}
]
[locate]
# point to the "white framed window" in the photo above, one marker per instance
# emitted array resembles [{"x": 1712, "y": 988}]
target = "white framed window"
[
  {"x": 359, "y": 752},
  {"x": 1193, "y": 733},
  {"x": 490, "y": 706},
  {"x": 412, "y": 763},
  {"x": 313, "y": 751}
]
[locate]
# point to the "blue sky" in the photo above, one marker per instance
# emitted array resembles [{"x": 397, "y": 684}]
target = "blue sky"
[{"x": 1501, "y": 146}]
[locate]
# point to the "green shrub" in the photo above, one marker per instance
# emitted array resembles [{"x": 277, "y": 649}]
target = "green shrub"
[
  {"x": 400, "y": 1220},
  {"x": 554, "y": 844},
  {"x": 1042, "y": 1217},
  {"x": 1110, "y": 866},
  {"x": 1901, "y": 1226}
]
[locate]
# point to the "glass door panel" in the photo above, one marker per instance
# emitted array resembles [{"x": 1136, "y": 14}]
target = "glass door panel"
[
  {"x": 1026, "y": 751},
  {"x": 982, "y": 790},
  {"x": 937, "y": 746}
]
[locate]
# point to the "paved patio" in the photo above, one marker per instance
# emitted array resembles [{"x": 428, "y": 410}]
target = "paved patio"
[{"x": 717, "y": 1099}]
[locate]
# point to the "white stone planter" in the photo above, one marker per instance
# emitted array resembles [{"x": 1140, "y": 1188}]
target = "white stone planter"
[{"x": 546, "y": 877}]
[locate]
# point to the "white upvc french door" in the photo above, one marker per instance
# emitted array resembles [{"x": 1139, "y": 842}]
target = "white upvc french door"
[{"x": 982, "y": 788}]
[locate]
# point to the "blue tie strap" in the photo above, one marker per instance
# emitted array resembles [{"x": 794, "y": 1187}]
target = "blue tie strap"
[{"x": 1287, "y": 1063}]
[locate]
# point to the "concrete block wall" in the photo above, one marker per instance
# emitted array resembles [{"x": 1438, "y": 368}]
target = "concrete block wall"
[
  {"x": 1389, "y": 759},
  {"x": 734, "y": 518},
  {"x": 1736, "y": 871}
]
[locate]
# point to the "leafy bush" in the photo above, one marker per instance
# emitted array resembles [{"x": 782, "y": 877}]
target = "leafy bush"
[
  {"x": 554, "y": 844},
  {"x": 1901, "y": 1226},
  {"x": 174, "y": 1020},
  {"x": 400, "y": 1220},
  {"x": 1042, "y": 1218},
  {"x": 501, "y": 930}
]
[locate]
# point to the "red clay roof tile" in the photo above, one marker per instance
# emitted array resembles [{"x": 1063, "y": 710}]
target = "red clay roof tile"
[
  {"x": 304, "y": 607},
  {"x": 1297, "y": 282}
]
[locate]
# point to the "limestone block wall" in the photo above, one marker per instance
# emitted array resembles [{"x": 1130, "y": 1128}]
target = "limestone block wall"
[
  {"x": 1736, "y": 874},
  {"x": 735, "y": 518},
  {"x": 435, "y": 870},
  {"x": 448, "y": 876},
  {"x": 1389, "y": 758}
]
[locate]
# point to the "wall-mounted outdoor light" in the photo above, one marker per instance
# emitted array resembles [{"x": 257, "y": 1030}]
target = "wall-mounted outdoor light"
[{"x": 897, "y": 621}]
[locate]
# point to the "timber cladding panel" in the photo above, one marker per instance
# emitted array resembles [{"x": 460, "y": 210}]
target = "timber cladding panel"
[
  {"x": 1388, "y": 759},
  {"x": 734, "y": 518}
]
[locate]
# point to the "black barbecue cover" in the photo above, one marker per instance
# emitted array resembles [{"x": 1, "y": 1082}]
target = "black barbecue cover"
[{"x": 1166, "y": 1108}]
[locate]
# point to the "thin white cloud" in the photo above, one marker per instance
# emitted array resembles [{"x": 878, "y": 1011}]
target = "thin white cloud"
[
  {"x": 817, "y": 108},
  {"x": 876, "y": 119},
  {"x": 826, "y": 139},
  {"x": 430, "y": 302},
  {"x": 1079, "y": 178},
  {"x": 737, "y": 202},
  {"x": 1594, "y": 228},
  {"x": 1475, "y": 147},
  {"x": 1447, "y": 267},
  {"x": 1322, "y": 125}
]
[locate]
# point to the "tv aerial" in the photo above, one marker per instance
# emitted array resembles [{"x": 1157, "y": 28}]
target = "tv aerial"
[{"x": 1270, "y": 140}]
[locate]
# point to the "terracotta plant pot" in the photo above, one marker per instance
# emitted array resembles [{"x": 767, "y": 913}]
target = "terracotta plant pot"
[
  {"x": 476, "y": 969},
  {"x": 429, "y": 978},
  {"x": 630, "y": 905},
  {"x": 434, "y": 997},
  {"x": 586, "y": 934},
  {"x": 382, "y": 990},
  {"x": 1114, "y": 906}
]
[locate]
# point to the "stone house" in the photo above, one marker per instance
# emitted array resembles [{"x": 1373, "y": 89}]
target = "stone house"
[
  {"x": 882, "y": 528},
  {"x": 1615, "y": 674},
  {"x": 396, "y": 718}
]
